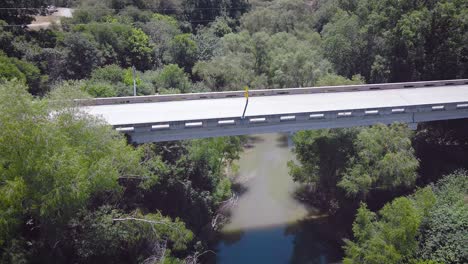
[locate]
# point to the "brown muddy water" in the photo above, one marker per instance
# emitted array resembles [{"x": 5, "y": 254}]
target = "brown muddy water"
[{"x": 267, "y": 224}]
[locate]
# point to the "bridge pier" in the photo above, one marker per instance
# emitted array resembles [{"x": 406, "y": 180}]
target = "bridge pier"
[
  {"x": 290, "y": 139},
  {"x": 413, "y": 126}
]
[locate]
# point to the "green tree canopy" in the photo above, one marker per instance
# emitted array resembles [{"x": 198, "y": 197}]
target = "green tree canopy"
[
  {"x": 357, "y": 160},
  {"x": 444, "y": 230},
  {"x": 173, "y": 77},
  {"x": 390, "y": 236},
  {"x": 182, "y": 51},
  {"x": 52, "y": 181},
  {"x": 82, "y": 56},
  {"x": 392, "y": 40},
  {"x": 384, "y": 160},
  {"x": 426, "y": 227},
  {"x": 23, "y": 71}
]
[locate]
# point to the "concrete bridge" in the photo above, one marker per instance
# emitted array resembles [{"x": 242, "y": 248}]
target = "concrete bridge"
[{"x": 200, "y": 115}]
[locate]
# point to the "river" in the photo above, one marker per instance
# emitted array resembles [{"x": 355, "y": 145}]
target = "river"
[{"x": 267, "y": 224}]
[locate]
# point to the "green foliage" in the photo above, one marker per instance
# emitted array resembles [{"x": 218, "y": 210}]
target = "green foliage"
[
  {"x": 9, "y": 71},
  {"x": 265, "y": 61},
  {"x": 222, "y": 191},
  {"x": 332, "y": 79},
  {"x": 132, "y": 14},
  {"x": 128, "y": 77},
  {"x": 335, "y": 162},
  {"x": 208, "y": 39},
  {"x": 62, "y": 95},
  {"x": 112, "y": 80},
  {"x": 82, "y": 56},
  {"x": 44, "y": 183},
  {"x": 444, "y": 230},
  {"x": 173, "y": 77},
  {"x": 192, "y": 181},
  {"x": 23, "y": 71},
  {"x": 398, "y": 41},
  {"x": 323, "y": 156},
  {"x": 427, "y": 227},
  {"x": 109, "y": 73},
  {"x": 210, "y": 158},
  {"x": 230, "y": 72},
  {"x": 297, "y": 69},
  {"x": 60, "y": 171},
  {"x": 167, "y": 19},
  {"x": 6, "y": 38},
  {"x": 341, "y": 43},
  {"x": 120, "y": 43},
  {"x": 100, "y": 89},
  {"x": 392, "y": 236},
  {"x": 279, "y": 16},
  {"x": 161, "y": 30},
  {"x": 384, "y": 159},
  {"x": 182, "y": 50},
  {"x": 91, "y": 11},
  {"x": 102, "y": 234},
  {"x": 139, "y": 49},
  {"x": 200, "y": 12}
]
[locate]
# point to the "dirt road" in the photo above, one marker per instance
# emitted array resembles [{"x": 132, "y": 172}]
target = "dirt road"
[{"x": 43, "y": 22}]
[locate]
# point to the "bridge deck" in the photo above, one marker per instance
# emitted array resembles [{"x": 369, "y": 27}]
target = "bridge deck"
[{"x": 141, "y": 113}]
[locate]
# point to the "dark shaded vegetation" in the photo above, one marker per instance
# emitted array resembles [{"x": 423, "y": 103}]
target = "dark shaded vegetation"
[
  {"x": 73, "y": 190},
  {"x": 428, "y": 226},
  {"x": 407, "y": 229},
  {"x": 442, "y": 147}
]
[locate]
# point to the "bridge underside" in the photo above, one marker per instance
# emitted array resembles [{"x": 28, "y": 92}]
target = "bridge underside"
[{"x": 295, "y": 123}]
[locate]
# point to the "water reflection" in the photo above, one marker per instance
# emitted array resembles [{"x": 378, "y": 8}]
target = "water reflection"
[
  {"x": 258, "y": 246},
  {"x": 314, "y": 242},
  {"x": 268, "y": 225},
  {"x": 304, "y": 242}
]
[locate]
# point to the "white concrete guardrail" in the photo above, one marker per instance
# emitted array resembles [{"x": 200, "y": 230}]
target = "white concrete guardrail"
[
  {"x": 188, "y": 129},
  {"x": 267, "y": 92}
]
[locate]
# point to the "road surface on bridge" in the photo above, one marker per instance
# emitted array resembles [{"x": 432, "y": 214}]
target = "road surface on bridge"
[{"x": 140, "y": 113}]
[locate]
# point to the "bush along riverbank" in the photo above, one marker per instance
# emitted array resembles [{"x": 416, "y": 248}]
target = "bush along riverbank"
[{"x": 352, "y": 173}]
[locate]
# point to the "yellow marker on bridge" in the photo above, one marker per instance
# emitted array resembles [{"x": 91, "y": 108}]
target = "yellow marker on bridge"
[{"x": 246, "y": 94}]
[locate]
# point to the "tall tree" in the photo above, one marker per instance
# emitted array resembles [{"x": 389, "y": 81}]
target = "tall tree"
[
  {"x": 82, "y": 56},
  {"x": 357, "y": 161},
  {"x": 384, "y": 160},
  {"x": 444, "y": 231},
  {"x": 182, "y": 51},
  {"x": 391, "y": 236}
]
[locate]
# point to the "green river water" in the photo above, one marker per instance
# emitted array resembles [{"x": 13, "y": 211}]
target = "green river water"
[{"x": 267, "y": 224}]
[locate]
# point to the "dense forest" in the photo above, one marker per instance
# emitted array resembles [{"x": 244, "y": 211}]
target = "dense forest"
[{"x": 72, "y": 190}]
